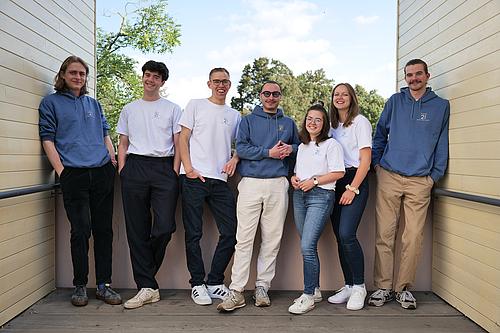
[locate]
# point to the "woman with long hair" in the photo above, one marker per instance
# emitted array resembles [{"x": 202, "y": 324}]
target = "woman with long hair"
[
  {"x": 354, "y": 133},
  {"x": 320, "y": 163}
]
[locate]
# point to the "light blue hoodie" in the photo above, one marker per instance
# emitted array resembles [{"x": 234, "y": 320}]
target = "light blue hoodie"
[
  {"x": 77, "y": 126},
  {"x": 411, "y": 138},
  {"x": 258, "y": 133}
]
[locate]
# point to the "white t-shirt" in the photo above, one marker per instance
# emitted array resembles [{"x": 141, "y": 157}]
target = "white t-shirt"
[
  {"x": 314, "y": 161},
  {"x": 213, "y": 129},
  {"x": 150, "y": 127},
  {"x": 353, "y": 139}
]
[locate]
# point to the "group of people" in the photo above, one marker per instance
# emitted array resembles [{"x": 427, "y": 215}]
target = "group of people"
[{"x": 163, "y": 151}]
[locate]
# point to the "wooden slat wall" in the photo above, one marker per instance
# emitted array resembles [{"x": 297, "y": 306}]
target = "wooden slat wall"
[
  {"x": 460, "y": 41},
  {"x": 35, "y": 37}
]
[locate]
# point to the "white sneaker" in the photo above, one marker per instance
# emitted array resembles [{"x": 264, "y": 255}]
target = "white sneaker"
[
  {"x": 317, "y": 297},
  {"x": 219, "y": 291},
  {"x": 357, "y": 299},
  {"x": 302, "y": 305},
  {"x": 144, "y": 296},
  {"x": 341, "y": 296},
  {"x": 200, "y": 296}
]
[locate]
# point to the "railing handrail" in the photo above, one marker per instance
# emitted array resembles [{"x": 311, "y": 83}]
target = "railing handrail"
[
  {"x": 28, "y": 190},
  {"x": 468, "y": 197}
]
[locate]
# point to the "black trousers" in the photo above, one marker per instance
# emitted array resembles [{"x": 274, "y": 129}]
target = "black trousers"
[
  {"x": 145, "y": 182},
  {"x": 88, "y": 200}
]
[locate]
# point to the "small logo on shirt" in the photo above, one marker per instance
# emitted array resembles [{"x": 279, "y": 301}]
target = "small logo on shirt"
[
  {"x": 317, "y": 151},
  {"x": 423, "y": 117},
  {"x": 156, "y": 115},
  {"x": 225, "y": 121},
  {"x": 89, "y": 114},
  {"x": 281, "y": 128}
]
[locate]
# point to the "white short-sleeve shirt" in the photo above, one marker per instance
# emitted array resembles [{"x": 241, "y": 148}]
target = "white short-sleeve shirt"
[
  {"x": 314, "y": 161},
  {"x": 213, "y": 129},
  {"x": 353, "y": 139},
  {"x": 150, "y": 127}
]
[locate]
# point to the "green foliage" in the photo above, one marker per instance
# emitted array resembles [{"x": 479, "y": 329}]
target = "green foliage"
[
  {"x": 145, "y": 27},
  {"x": 299, "y": 93},
  {"x": 370, "y": 103}
]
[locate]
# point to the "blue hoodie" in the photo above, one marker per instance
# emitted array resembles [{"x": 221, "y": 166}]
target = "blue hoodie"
[
  {"x": 258, "y": 133},
  {"x": 411, "y": 138},
  {"x": 77, "y": 126}
]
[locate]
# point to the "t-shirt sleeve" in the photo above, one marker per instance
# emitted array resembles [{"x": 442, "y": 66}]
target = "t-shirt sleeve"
[
  {"x": 177, "y": 114},
  {"x": 187, "y": 118},
  {"x": 122, "y": 126},
  {"x": 235, "y": 132},
  {"x": 364, "y": 133},
  {"x": 335, "y": 156}
]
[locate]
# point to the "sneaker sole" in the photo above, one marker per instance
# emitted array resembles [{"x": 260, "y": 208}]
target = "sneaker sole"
[
  {"x": 337, "y": 301},
  {"x": 301, "y": 312},
  {"x": 407, "y": 306},
  {"x": 201, "y": 302},
  {"x": 135, "y": 306},
  {"x": 220, "y": 308},
  {"x": 79, "y": 303},
  {"x": 107, "y": 301},
  {"x": 262, "y": 304},
  {"x": 377, "y": 303}
]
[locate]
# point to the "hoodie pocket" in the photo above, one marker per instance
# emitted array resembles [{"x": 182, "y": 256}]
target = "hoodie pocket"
[{"x": 406, "y": 162}]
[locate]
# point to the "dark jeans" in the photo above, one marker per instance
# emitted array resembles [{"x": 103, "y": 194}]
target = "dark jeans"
[
  {"x": 88, "y": 200},
  {"x": 221, "y": 202},
  {"x": 148, "y": 181},
  {"x": 345, "y": 221}
]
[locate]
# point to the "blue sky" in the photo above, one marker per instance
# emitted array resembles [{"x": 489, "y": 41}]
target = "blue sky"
[{"x": 353, "y": 41}]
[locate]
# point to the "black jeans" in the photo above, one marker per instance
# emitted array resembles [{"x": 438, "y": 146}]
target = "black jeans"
[
  {"x": 148, "y": 181},
  {"x": 221, "y": 202},
  {"x": 88, "y": 200}
]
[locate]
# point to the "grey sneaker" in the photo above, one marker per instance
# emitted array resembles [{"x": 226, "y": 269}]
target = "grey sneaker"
[
  {"x": 108, "y": 295},
  {"x": 406, "y": 299},
  {"x": 79, "y": 297},
  {"x": 260, "y": 296},
  {"x": 380, "y": 297},
  {"x": 234, "y": 301}
]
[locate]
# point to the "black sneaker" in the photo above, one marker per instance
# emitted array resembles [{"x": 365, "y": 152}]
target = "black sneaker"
[
  {"x": 406, "y": 299},
  {"x": 380, "y": 297},
  {"x": 79, "y": 297},
  {"x": 108, "y": 295}
]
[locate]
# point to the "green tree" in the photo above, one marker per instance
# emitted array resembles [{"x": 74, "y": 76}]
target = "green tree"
[
  {"x": 370, "y": 103},
  {"x": 298, "y": 92},
  {"x": 146, "y": 27}
]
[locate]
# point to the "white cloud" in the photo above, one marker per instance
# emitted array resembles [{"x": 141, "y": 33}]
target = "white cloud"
[{"x": 361, "y": 20}]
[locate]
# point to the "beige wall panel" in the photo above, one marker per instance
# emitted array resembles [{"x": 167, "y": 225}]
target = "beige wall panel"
[
  {"x": 443, "y": 22},
  {"x": 484, "y": 133},
  {"x": 24, "y": 163},
  {"x": 80, "y": 11},
  {"x": 7, "y": 202},
  {"x": 480, "y": 252},
  {"x": 415, "y": 12},
  {"x": 17, "y": 305},
  {"x": 474, "y": 167},
  {"x": 483, "y": 99},
  {"x": 469, "y": 280},
  {"x": 472, "y": 233},
  {"x": 488, "y": 274},
  {"x": 475, "y": 117},
  {"x": 476, "y": 214},
  {"x": 13, "y": 129},
  {"x": 25, "y": 226},
  {"x": 454, "y": 297},
  {"x": 14, "y": 180},
  {"x": 21, "y": 291},
  {"x": 15, "y": 211},
  {"x": 24, "y": 273},
  {"x": 485, "y": 150},
  {"x": 24, "y": 98},
  {"x": 23, "y": 258},
  {"x": 22, "y": 242},
  {"x": 19, "y": 146},
  {"x": 404, "y": 6},
  {"x": 482, "y": 186},
  {"x": 18, "y": 113}
]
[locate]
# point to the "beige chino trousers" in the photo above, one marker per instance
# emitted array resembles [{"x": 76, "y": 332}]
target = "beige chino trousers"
[{"x": 414, "y": 193}]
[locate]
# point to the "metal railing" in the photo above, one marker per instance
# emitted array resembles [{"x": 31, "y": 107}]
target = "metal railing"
[
  {"x": 468, "y": 197},
  {"x": 29, "y": 190}
]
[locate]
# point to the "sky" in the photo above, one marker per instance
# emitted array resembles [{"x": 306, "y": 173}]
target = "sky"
[{"x": 353, "y": 41}]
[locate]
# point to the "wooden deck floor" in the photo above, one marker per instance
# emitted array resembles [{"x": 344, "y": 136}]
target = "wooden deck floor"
[{"x": 176, "y": 312}]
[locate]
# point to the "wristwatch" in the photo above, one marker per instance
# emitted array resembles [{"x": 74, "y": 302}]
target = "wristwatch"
[{"x": 315, "y": 182}]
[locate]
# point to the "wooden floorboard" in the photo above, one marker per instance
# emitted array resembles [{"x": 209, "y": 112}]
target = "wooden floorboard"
[{"x": 176, "y": 312}]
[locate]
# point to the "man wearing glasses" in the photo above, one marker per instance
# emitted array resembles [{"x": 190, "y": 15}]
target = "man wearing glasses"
[
  {"x": 266, "y": 140},
  {"x": 209, "y": 128}
]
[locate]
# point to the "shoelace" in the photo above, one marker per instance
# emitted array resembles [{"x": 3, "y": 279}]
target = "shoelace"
[
  {"x": 406, "y": 295},
  {"x": 79, "y": 291},
  {"x": 260, "y": 292}
]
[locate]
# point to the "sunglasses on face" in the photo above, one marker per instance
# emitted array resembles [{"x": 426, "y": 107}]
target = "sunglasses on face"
[{"x": 274, "y": 93}]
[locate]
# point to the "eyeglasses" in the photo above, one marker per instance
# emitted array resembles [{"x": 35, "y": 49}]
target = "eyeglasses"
[
  {"x": 317, "y": 120},
  {"x": 224, "y": 82},
  {"x": 275, "y": 94}
]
